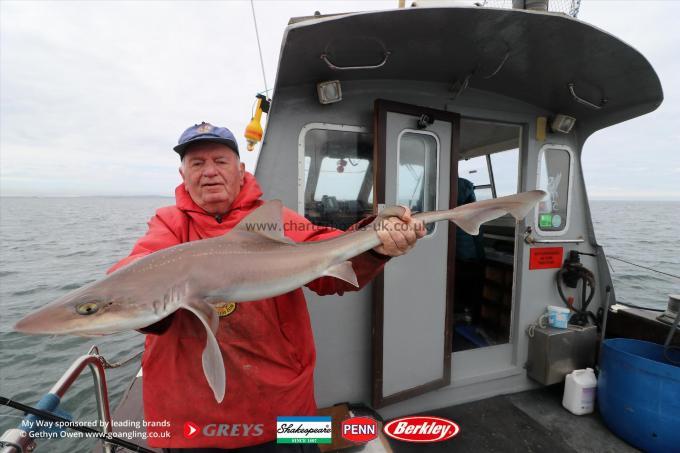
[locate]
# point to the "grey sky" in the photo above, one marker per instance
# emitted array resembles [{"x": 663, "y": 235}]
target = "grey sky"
[{"x": 93, "y": 95}]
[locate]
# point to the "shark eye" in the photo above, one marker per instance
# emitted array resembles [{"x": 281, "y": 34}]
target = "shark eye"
[{"x": 87, "y": 308}]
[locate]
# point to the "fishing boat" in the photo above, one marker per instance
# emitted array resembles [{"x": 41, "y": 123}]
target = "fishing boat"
[{"x": 426, "y": 107}]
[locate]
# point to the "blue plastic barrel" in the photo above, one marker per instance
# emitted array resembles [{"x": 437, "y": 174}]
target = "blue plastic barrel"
[{"x": 639, "y": 394}]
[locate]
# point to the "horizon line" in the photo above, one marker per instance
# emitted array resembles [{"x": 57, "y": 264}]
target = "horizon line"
[{"x": 595, "y": 198}]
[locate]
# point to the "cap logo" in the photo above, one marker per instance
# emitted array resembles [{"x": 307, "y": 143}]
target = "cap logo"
[{"x": 204, "y": 128}]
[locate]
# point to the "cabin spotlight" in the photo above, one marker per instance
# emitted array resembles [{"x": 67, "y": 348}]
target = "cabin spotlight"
[
  {"x": 563, "y": 123},
  {"x": 329, "y": 91}
]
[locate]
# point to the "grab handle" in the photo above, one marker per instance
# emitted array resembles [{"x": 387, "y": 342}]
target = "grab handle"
[
  {"x": 324, "y": 57},
  {"x": 580, "y": 100}
]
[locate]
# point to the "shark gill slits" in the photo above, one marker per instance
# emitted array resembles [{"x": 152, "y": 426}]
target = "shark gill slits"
[{"x": 87, "y": 308}]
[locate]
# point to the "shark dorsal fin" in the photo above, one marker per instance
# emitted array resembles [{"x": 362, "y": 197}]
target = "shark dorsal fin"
[{"x": 265, "y": 221}]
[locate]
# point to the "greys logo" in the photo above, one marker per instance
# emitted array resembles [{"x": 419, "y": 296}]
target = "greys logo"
[
  {"x": 233, "y": 430},
  {"x": 224, "y": 430}
]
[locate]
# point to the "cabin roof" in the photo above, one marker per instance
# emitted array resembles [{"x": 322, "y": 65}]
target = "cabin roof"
[{"x": 526, "y": 55}]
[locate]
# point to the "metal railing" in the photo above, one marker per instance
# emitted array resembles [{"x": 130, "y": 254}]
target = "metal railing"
[{"x": 18, "y": 440}]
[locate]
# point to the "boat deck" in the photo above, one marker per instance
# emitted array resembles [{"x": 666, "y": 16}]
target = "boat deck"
[{"x": 531, "y": 421}]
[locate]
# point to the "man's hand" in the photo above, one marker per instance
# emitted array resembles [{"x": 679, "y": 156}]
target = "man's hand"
[{"x": 399, "y": 234}]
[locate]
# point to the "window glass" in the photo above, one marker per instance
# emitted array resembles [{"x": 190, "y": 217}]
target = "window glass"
[
  {"x": 474, "y": 170},
  {"x": 553, "y": 177},
  {"x": 308, "y": 161},
  {"x": 338, "y": 177},
  {"x": 483, "y": 193},
  {"x": 505, "y": 172},
  {"x": 417, "y": 177}
]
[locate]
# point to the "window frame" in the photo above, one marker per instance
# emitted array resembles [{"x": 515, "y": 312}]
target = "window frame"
[
  {"x": 436, "y": 195},
  {"x": 301, "y": 153},
  {"x": 570, "y": 185}
]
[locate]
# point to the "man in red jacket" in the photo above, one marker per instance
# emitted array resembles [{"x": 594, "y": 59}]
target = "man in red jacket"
[{"x": 267, "y": 345}]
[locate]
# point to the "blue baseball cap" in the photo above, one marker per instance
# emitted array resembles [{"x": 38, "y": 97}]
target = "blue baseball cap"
[{"x": 205, "y": 132}]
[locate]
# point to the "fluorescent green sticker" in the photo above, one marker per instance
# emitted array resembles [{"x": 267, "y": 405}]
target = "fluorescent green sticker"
[{"x": 545, "y": 221}]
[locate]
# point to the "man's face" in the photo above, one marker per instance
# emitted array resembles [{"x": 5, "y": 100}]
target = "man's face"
[{"x": 213, "y": 176}]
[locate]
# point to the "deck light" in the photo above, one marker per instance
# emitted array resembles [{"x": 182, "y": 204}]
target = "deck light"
[
  {"x": 563, "y": 123},
  {"x": 329, "y": 91}
]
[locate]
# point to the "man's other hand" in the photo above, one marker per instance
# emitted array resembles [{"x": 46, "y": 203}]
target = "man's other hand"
[{"x": 399, "y": 234}]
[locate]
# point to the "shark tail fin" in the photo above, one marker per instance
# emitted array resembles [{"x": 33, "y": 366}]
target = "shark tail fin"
[{"x": 470, "y": 217}]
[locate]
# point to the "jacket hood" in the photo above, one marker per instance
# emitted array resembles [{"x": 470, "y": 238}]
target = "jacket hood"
[{"x": 246, "y": 200}]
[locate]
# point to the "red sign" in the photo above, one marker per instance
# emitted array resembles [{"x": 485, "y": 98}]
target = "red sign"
[
  {"x": 191, "y": 429},
  {"x": 546, "y": 257},
  {"x": 421, "y": 429},
  {"x": 359, "y": 429}
]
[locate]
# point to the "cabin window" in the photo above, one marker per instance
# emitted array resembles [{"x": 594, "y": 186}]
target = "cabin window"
[
  {"x": 417, "y": 176},
  {"x": 505, "y": 169},
  {"x": 476, "y": 170},
  {"x": 554, "y": 176},
  {"x": 338, "y": 175}
]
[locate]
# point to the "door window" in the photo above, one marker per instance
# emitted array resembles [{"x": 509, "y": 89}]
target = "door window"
[{"x": 417, "y": 180}]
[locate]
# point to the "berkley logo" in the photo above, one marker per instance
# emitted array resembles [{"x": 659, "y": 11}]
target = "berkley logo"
[
  {"x": 191, "y": 430},
  {"x": 359, "y": 429},
  {"x": 421, "y": 429}
]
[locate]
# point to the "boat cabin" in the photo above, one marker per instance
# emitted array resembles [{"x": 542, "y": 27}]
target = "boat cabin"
[{"x": 431, "y": 108}]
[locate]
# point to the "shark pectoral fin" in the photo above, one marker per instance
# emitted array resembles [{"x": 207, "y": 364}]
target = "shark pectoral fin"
[
  {"x": 343, "y": 271},
  {"x": 266, "y": 222},
  {"x": 213, "y": 365}
]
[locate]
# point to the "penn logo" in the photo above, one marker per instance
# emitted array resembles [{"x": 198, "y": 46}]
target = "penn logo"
[
  {"x": 191, "y": 430},
  {"x": 421, "y": 429},
  {"x": 359, "y": 429}
]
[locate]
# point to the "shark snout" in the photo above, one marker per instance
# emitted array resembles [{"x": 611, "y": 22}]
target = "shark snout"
[
  {"x": 32, "y": 324},
  {"x": 50, "y": 320}
]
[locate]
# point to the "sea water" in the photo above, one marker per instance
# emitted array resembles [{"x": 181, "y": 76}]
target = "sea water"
[{"x": 50, "y": 246}]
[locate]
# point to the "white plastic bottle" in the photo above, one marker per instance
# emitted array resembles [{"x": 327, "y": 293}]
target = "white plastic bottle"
[{"x": 579, "y": 391}]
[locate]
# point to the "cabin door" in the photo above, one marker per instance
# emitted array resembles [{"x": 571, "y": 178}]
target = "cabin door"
[{"x": 415, "y": 165}]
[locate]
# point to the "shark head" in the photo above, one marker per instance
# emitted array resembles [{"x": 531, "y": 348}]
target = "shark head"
[{"x": 94, "y": 309}]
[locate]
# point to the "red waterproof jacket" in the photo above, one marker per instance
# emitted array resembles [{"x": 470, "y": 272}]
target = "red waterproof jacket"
[{"x": 267, "y": 345}]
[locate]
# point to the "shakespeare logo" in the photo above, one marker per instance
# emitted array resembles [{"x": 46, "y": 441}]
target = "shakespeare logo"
[{"x": 304, "y": 430}]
